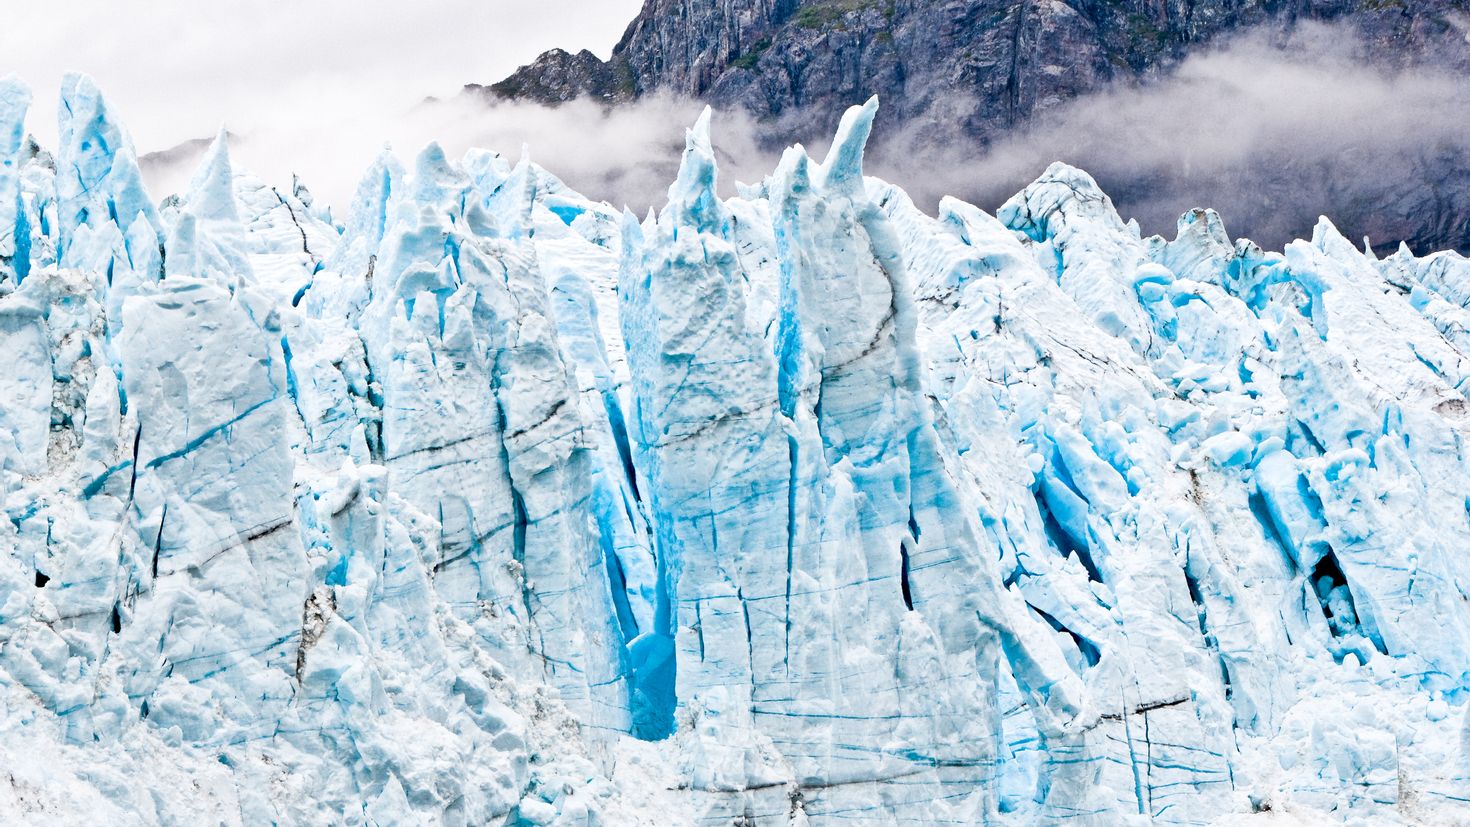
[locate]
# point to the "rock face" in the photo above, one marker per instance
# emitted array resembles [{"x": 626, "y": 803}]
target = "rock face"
[
  {"x": 564, "y": 76},
  {"x": 982, "y": 65},
  {"x": 975, "y": 70},
  {"x": 443, "y": 513}
]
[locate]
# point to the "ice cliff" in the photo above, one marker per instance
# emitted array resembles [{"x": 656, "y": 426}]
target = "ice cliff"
[{"x": 482, "y": 503}]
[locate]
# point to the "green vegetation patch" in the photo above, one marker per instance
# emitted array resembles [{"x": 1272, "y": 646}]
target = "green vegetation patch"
[
  {"x": 823, "y": 14},
  {"x": 750, "y": 58}
]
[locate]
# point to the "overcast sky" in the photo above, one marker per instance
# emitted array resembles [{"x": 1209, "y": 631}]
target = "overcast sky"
[
  {"x": 334, "y": 70},
  {"x": 318, "y": 87}
]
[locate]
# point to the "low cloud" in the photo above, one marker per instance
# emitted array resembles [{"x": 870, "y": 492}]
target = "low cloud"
[
  {"x": 1270, "y": 131},
  {"x": 627, "y": 155}
]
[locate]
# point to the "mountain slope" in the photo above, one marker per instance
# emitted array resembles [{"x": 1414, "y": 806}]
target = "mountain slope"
[
  {"x": 968, "y": 72},
  {"x": 985, "y": 65}
]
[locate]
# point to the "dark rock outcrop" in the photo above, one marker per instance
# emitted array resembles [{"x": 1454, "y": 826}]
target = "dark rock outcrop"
[
  {"x": 559, "y": 76},
  {"x": 972, "y": 69},
  {"x": 986, "y": 65}
]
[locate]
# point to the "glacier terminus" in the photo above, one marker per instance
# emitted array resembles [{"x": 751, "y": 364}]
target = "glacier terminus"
[{"x": 483, "y": 503}]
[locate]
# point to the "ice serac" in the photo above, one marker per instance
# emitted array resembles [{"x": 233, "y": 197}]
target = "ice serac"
[
  {"x": 488, "y": 504},
  {"x": 832, "y": 605},
  {"x": 101, "y": 204},
  {"x": 15, "y": 236}
]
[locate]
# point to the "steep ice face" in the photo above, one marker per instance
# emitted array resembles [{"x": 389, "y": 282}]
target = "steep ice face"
[
  {"x": 798, "y": 499},
  {"x": 482, "y": 503}
]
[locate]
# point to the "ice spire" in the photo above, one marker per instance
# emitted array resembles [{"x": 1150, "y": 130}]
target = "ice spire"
[
  {"x": 436, "y": 180},
  {"x": 211, "y": 192},
  {"x": 15, "y": 99},
  {"x": 98, "y": 180},
  {"x": 367, "y": 218},
  {"x": 843, "y": 169},
  {"x": 209, "y": 240},
  {"x": 515, "y": 200},
  {"x": 693, "y": 197}
]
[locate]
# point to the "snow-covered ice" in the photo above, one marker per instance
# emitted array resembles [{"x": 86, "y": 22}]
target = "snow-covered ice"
[{"x": 483, "y": 503}]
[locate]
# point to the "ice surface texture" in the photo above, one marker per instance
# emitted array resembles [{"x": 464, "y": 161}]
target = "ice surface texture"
[{"x": 485, "y": 504}]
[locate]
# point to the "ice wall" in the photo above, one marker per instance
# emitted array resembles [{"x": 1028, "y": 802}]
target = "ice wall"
[{"x": 481, "y": 503}]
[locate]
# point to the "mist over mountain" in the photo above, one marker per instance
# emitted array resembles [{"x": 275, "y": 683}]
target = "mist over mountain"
[{"x": 1282, "y": 111}]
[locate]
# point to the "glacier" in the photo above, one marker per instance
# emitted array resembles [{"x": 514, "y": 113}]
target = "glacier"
[{"x": 485, "y": 503}]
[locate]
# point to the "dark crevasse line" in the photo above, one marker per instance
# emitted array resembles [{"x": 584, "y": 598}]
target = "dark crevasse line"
[
  {"x": 373, "y": 423},
  {"x": 651, "y": 662},
  {"x": 903, "y": 575},
  {"x": 654, "y": 667},
  {"x": 1133, "y": 761},
  {"x": 789, "y": 357},
  {"x": 209, "y": 433},
  {"x": 1304, "y": 433},
  {"x": 619, "y": 427},
  {"x": 22, "y": 259},
  {"x": 304, "y": 246},
  {"x": 95, "y": 487},
  {"x": 1015, "y": 575},
  {"x": 1089, "y": 650},
  {"x": 905, "y": 565},
  {"x": 158, "y": 540},
  {"x": 617, "y": 580},
  {"x": 699, "y": 629},
  {"x": 292, "y": 388},
  {"x": 791, "y": 482},
  {"x": 137, "y": 446},
  {"x": 749, "y": 639},
  {"x": 520, "y": 523},
  {"x": 647, "y": 660},
  {"x": 520, "y": 519},
  {"x": 1272, "y": 528},
  {"x": 1202, "y": 618},
  {"x": 1330, "y": 585},
  {"x": 1062, "y": 540}
]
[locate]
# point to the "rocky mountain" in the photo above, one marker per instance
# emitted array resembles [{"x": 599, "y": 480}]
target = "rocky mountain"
[
  {"x": 957, "y": 71},
  {"x": 985, "y": 65}
]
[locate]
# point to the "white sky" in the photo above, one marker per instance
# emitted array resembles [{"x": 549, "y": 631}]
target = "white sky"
[{"x": 338, "y": 75}]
